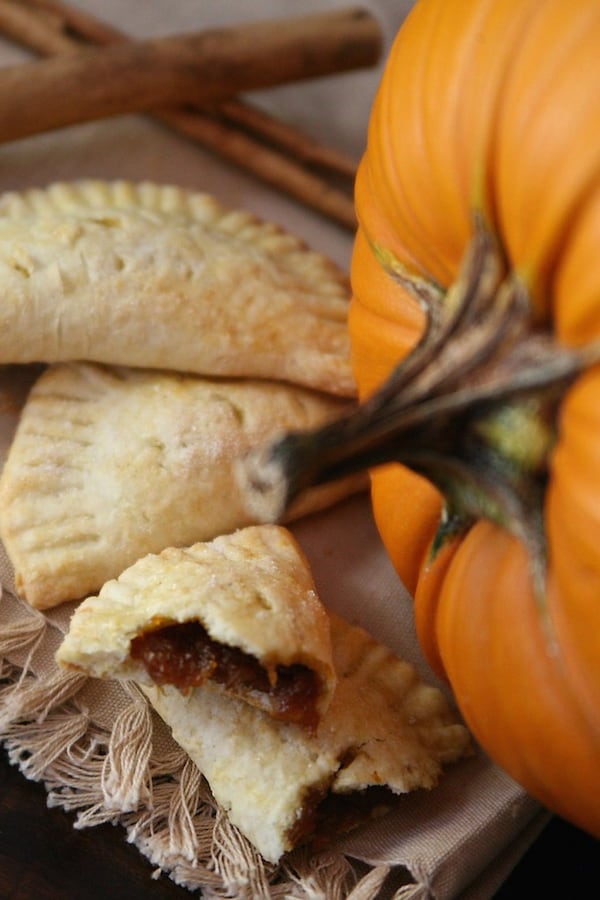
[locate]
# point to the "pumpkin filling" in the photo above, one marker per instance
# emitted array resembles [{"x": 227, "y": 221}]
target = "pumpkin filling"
[{"x": 185, "y": 656}]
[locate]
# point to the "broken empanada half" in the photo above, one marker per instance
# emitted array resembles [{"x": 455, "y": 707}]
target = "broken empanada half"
[
  {"x": 160, "y": 277},
  {"x": 241, "y": 611},
  {"x": 385, "y": 733},
  {"x": 109, "y": 464}
]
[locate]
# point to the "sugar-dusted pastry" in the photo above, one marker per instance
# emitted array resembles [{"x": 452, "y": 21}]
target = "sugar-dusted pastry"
[
  {"x": 241, "y": 611},
  {"x": 109, "y": 464},
  {"x": 160, "y": 277},
  {"x": 384, "y": 733}
]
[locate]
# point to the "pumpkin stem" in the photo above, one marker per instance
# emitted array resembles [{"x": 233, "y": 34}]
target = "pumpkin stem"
[{"x": 473, "y": 408}]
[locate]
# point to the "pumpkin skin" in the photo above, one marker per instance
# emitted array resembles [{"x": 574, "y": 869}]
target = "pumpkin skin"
[{"x": 491, "y": 106}]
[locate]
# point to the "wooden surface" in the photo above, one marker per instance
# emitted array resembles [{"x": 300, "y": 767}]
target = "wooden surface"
[{"x": 42, "y": 857}]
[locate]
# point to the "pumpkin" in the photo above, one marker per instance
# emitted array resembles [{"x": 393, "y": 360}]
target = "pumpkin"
[
  {"x": 475, "y": 332},
  {"x": 488, "y": 112}
]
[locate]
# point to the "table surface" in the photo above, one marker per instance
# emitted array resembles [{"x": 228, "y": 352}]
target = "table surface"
[{"x": 43, "y": 857}]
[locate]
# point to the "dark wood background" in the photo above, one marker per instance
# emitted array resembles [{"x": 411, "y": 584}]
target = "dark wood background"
[{"x": 42, "y": 857}]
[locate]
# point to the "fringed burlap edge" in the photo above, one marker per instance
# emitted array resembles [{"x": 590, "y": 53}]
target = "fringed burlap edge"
[{"x": 133, "y": 774}]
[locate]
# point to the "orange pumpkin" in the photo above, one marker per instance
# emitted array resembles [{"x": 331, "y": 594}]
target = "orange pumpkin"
[{"x": 490, "y": 107}]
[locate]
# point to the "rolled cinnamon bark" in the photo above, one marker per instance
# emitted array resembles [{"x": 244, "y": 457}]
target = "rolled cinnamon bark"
[{"x": 196, "y": 68}]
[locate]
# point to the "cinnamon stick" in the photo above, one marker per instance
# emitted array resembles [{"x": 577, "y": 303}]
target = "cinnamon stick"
[
  {"x": 76, "y": 23},
  {"x": 198, "y": 68},
  {"x": 231, "y": 129},
  {"x": 73, "y": 25},
  {"x": 38, "y": 30},
  {"x": 286, "y": 137},
  {"x": 272, "y": 167}
]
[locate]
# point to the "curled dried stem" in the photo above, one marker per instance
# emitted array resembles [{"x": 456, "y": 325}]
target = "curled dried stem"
[{"x": 473, "y": 408}]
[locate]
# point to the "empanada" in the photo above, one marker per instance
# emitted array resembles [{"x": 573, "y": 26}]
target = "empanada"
[
  {"x": 160, "y": 277},
  {"x": 241, "y": 610},
  {"x": 381, "y": 730},
  {"x": 108, "y": 464},
  {"x": 385, "y": 733}
]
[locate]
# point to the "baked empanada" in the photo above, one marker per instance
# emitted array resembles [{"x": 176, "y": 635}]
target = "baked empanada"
[
  {"x": 241, "y": 611},
  {"x": 384, "y": 733},
  {"x": 109, "y": 464},
  {"x": 160, "y": 277}
]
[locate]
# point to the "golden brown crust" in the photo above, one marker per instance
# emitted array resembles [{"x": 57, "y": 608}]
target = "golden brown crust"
[
  {"x": 160, "y": 277},
  {"x": 383, "y": 728},
  {"x": 251, "y": 590},
  {"x": 109, "y": 464}
]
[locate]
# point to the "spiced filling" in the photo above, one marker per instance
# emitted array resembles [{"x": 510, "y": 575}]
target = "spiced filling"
[{"x": 185, "y": 656}]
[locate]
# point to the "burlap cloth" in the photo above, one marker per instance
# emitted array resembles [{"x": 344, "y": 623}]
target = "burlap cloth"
[{"x": 101, "y": 753}]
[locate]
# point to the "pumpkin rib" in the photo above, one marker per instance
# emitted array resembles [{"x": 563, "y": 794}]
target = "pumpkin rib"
[
  {"x": 365, "y": 187},
  {"x": 540, "y": 191},
  {"x": 367, "y": 329},
  {"x": 381, "y": 168},
  {"x": 577, "y": 277},
  {"x": 381, "y": 299},
  {"x": 448, "y": 187},
  {"x": 412, "y": 212},
  {"x": 575, "y": 607},
  {"x": 573, "y": 517},
  {"x": 433, "y": 572},
  {"x": 406, "y": 509},
  {"x": 408, "y": 230},
  {"x": 509, "y": 689},
  {"x": 575, "y": 472},
  {"x": 463, "y": 141}
]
